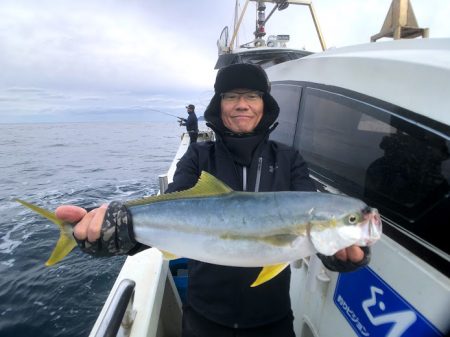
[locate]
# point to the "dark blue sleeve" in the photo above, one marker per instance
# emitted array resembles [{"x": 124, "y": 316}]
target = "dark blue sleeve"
[{"x": 191, "y": 123}]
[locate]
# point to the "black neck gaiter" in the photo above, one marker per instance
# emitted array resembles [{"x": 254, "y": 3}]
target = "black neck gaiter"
[{"x": 242, "y": 147}]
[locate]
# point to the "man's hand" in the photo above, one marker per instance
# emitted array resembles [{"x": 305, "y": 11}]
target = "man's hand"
[
  {"x": 353, "y": 253},
  {"x": 88, "y": 224}
]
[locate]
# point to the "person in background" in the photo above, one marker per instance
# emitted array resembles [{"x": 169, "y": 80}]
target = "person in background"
[
  {"x": 191, "y": 123},
  {"x": 220, "y": 301}
]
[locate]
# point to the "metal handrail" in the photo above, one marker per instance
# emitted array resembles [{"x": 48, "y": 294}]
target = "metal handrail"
[{"x": 115, "y": 314}]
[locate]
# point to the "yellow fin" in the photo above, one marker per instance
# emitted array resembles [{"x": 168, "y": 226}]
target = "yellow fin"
[
  {"x": 63, "y": 247},
  {"x": 66, "y": 240},
  {"x": 168, "y": 256},
  {"x": 207, "y": 186},
  {"x": 268, "y": 273}
]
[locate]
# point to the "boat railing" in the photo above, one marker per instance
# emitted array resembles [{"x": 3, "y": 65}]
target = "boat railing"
[{"x": 120, "y": 313}]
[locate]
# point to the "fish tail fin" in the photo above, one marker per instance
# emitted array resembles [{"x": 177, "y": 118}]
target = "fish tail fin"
[
  {"x": 268, "y": 273},
  {"x": 66, "y": 241}
]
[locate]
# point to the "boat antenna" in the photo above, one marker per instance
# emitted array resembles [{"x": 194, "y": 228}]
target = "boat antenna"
[
  {"x": 260, "y": 30},
  {"x": 235, "y": 24},
  {"x": 262, "y": 20}
]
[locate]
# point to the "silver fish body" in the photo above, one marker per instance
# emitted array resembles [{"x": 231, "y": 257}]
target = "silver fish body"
[
  {"x": 212, "y": 223},
  {"x": 255, "y": 229}
]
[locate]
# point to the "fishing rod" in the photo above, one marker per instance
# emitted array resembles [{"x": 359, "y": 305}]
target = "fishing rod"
[{"x": 181, "y": 119}]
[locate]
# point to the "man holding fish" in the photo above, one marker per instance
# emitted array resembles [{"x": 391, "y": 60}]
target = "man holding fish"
[{"x": 221, "y": 301}]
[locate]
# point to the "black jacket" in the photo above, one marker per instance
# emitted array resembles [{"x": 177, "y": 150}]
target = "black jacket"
[
  {"x": 220, "y": 293},
  {"x": 191, "y": 123}
]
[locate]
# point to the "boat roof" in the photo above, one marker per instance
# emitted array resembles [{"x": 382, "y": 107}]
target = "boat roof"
[
  {"x": 413, "y": 74},
  {"x": 263, "y": 56}
]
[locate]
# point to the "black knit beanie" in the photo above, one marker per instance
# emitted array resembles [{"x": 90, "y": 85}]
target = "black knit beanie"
[{"x": 242, "y": 76}]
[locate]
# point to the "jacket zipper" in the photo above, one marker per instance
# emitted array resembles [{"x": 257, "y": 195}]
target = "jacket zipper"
[
  {"x": 244, "y": 178},
  {"x": 258, "y": 176}
]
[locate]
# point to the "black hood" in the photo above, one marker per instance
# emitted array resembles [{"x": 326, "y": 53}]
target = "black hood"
[{"x": 242, "y": 76}]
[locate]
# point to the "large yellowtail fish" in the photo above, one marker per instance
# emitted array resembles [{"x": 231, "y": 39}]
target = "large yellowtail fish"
[{"x": 212, "y": 223}]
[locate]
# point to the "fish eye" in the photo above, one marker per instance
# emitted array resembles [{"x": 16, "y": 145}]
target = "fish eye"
[{"x": 352, "y": 219}]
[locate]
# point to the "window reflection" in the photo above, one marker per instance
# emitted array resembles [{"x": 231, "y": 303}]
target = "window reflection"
[
  {"x": 409, "y": 172},
  {"x": 391, "y": 163}
]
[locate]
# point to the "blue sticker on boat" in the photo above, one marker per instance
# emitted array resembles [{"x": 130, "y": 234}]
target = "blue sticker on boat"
[{"x": 373, "y": 308}]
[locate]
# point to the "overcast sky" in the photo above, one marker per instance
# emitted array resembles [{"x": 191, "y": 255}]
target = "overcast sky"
[{"x": 94, "y": 60}]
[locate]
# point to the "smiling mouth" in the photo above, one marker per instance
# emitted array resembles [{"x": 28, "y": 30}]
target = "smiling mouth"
[{"x": 243, "y": 116}]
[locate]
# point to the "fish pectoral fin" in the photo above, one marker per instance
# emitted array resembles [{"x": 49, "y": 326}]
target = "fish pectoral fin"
[
  {"x": 66, "y": 240},
  {"x": 268, "y": 273},
  {"x": 168, "y": 256},
  {"x": 279, "y": 240}
]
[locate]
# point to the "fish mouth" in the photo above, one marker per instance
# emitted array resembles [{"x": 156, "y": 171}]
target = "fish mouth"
[{"x": 371, "y": 227}]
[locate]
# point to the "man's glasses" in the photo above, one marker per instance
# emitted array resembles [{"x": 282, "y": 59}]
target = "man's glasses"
[{"x": 249, "y": 96}]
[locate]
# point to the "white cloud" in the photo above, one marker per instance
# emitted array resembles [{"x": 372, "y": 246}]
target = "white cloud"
[
  {"x": 87, "y": 45},
  {"x": 110, "y": 54}
]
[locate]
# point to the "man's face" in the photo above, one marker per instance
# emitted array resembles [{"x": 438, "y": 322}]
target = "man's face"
[{"x": 241, "y": 110}]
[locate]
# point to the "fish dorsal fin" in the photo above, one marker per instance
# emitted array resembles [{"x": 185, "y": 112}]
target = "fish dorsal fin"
[{"x": 207, "y": 186}]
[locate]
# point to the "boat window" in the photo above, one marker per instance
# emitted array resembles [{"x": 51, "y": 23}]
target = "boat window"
[
  {"x": 392, "y": 163},
  {"x": 288, "y": 98}
]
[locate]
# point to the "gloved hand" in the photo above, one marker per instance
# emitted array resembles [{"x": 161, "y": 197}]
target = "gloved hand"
[{"x": 103, "y": 231}]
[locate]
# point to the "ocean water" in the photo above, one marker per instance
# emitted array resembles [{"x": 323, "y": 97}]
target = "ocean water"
[{"x": 53, "y": 164}]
